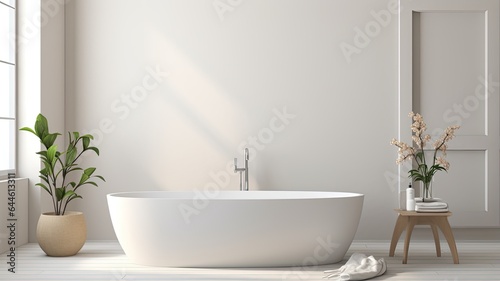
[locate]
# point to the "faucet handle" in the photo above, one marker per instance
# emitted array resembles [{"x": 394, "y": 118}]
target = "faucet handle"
[{"x": 236, "y": 169}]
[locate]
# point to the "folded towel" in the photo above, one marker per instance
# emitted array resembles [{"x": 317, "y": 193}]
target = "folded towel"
[
  {"x": 358, "y": 267},
  {"x": 432, "y": 211},
  {"x": 419, "y": 199},
  {"x": 431, "y": 207}
]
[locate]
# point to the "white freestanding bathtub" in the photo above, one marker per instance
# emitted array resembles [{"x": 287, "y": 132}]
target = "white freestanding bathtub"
[{"x": 235, "y": 228}]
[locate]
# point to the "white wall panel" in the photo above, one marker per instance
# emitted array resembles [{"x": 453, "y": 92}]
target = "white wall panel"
[
  {"x": 449, "y": 64},
  {"x": 449, "y": 72}
]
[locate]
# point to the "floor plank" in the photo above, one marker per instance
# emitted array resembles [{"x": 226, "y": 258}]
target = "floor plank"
[{"x": 105, "y": 260}]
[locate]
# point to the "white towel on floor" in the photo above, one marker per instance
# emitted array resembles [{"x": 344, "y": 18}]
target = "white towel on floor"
[{"x": 358, "y": 267}]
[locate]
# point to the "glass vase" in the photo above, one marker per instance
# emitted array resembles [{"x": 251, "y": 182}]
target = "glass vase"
[{"x": 426, "y": 191}]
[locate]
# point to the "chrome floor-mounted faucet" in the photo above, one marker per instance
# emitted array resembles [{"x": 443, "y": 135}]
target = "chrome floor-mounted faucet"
[{"x": 241, "y": 170}]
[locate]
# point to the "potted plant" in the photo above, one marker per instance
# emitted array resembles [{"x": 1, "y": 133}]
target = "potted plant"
[
  {"x": 424, "y": 170},
  {"x": 62, "y": 232}
]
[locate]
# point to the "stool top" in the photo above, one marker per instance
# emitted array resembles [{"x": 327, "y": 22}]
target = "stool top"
[{"x": 422, "y": 214}]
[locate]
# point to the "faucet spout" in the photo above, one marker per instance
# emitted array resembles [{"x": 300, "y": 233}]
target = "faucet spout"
[{"x": 247, "y": 156}]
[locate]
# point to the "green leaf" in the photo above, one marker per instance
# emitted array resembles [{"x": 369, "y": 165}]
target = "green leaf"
[
  {"x": 51, "y": 154},
  {"x": 44, "y": 178},
  {"x": 74, "y": 197},
  {"x": 44, "y": 187},
  {"x": 92, "y": 183},
  {"x": 41, "y": 126},
  {"x": 76, "y": 135},
  {"x": 71, "y": 154},
  {"x": 88, "y": 136},
  {"x": 416, "y": 175},
  {"x": 48, "y": 168},
  {"x": 60, "y": 193},
  {"x": 49, "y": 139},
  {"x": 95, "y": 149},
  {"x": 100, "y": 178},
  {"x": 439, "y": 167},
  {"x": 69, "y": 193},
  {"x": 28, "y": 130},
  {"x": 83, "y": 179},
  {"x": 74, "y": 169},
  {"x": 420, "y": 156},
  {"x": 89, "y": 171},
  {"x": 86, "y": 142},
  {"x": 44, "y": 172}
]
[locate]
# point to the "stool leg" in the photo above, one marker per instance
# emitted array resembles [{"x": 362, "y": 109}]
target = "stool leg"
[
  {"x": 436, "y": 239},
  {"x": 445, "y": 227},
  {"x": 409, "y": 229},
  {"x": 401, "y": 223}
]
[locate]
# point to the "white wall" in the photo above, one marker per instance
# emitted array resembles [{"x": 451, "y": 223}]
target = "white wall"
[
  {"x": 226, "y": 80},
  {"x": 40, "y": 80},
  {"x": 228, "y": 76}
]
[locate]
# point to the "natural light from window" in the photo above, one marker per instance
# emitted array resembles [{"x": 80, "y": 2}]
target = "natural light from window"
[{"x": 7, "y": 86}]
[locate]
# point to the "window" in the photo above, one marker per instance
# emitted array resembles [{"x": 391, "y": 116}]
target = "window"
[{"x": 7, "y": 86}]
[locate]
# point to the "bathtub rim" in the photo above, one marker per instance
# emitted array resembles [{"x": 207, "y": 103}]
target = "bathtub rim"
[{"x": 235, "y": 195}]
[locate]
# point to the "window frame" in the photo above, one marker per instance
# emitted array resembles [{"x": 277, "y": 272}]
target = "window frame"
[{"x": 4, "y": 174}]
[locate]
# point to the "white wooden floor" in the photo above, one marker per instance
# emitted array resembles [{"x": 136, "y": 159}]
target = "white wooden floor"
[{"x": 105, "y": 260}]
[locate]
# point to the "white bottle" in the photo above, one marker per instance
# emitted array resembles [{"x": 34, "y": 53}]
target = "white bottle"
[{"x": 410, "y": 199}]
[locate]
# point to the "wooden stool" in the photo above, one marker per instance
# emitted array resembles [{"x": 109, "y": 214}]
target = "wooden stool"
[{"x": 408, "y": 219}]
